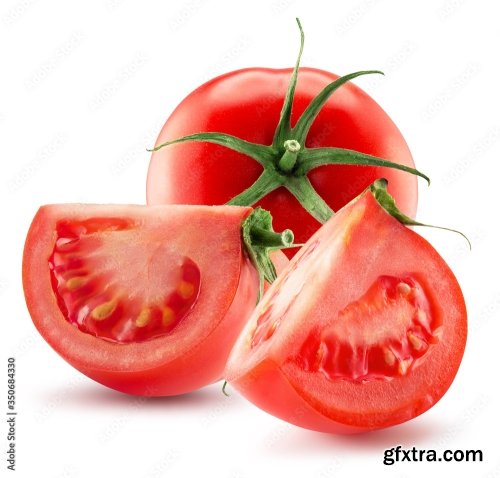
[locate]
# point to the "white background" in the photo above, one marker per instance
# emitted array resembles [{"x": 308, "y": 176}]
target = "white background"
[{"x": 85, "y": 88}]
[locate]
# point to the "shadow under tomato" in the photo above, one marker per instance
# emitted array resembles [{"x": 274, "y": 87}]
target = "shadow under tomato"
[
  {"x": 413, "y": 433},
  {"x": 89, "y": 394}
]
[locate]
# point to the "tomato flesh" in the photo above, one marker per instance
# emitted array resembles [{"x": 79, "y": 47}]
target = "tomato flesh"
[
  {"x": 364, "y": 329},
  {"x": 145, "y": 300},
  {"x": 364, "y": 342},
  {"x": 120, "y": 309}
]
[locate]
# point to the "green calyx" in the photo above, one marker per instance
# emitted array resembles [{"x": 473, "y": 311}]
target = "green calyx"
[
  {"x": 287, "y": 161},
  {"x": 379, "y": 191},
  {"x": 260, "y": 239}
]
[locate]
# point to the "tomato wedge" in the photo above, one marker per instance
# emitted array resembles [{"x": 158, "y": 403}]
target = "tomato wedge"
[
  {"x": 145, "y": 300},
  {"x": 364, "y": 329}
]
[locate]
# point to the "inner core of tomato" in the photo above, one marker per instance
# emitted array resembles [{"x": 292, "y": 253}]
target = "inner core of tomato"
[
  {"x": 116, "y": 284},
  {"x": 383, "y": 334}
]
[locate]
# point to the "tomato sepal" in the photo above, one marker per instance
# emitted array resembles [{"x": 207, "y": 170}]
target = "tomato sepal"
[
  {"x": 260, "y": 239},
  {"x": 379, "y": 191}
]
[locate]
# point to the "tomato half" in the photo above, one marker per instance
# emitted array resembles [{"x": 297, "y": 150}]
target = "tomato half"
[
  {"x": 247, "y": 104},
  {"x": 145, "y": 300},
  {"x": 364, "y": 329}
]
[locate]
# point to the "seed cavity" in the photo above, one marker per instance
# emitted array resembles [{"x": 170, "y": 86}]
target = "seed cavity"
[
  {"x": 383, "y": 334},
  {"x": 119, "y": 307},
  {"x": 103, "y": 311}
]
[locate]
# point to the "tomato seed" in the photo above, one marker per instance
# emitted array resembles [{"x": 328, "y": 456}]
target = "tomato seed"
[
  {"x": 185, "y": 289},
  {"x": 75, "y": 283},
  {"x": 168, "y": 316},
  {"x": 404, "y": 289},
  {"x": 416, "y": 342},
  {"x": 389, "y": 357},
  {"x": 143, "y": 318},
  {"x": 104, "y": 310}
]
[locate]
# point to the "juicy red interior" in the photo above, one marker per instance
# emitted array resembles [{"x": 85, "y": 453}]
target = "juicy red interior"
[
  {"x": 100, "y": 299},
  {"x": 381, "y": 335}
]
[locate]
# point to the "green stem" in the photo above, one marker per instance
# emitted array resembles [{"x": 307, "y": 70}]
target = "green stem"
[
  {"x": 289, "y": 159},
  {"x": 283, "y": 129},
  {"x": 303, "y": 190},
  {"x": 267, "y": 238}
]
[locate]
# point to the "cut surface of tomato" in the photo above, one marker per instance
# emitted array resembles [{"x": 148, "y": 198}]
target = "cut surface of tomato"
[
  {"x": 364, "y": 329},
  {"x": 119, "y": 308},
  {"x": 146, "y": 300}
]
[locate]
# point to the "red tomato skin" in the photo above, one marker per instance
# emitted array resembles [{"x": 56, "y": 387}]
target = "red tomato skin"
[
  {"x": 153, "y": 367},
  {"x": 272, "y": 380},
  {"x": 267, "y": 387},
  {"x": 247, "y": 103}
]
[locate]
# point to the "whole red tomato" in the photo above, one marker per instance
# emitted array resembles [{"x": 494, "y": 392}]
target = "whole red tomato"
[{"x": 305, "y": 154}]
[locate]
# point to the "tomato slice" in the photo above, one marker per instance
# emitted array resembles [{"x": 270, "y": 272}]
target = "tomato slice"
[
  {"x": 146, "y": 300},
  {"x": 365, "y": 328}
]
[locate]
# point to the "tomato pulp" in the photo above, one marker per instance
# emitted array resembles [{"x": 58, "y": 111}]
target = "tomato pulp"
[
  {"x": 247, "y": 104},
  {"x": 145, "y": 300},
  {"x": 365, "y": 328}
]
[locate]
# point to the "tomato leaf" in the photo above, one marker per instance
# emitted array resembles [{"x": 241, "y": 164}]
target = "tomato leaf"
[
  {"x": 311, "y": 158},
  {"x": 311, "y": 201},
  {"x": 304, "y": 123},
  {"x": 268, "y": 181},
  {"x": 264, "y": 155}
]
